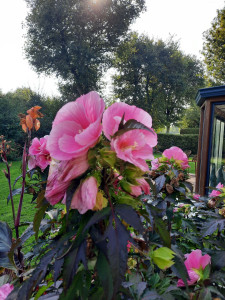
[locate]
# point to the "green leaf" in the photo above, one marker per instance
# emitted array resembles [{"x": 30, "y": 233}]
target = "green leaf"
[
  {"x": 42, "y": 289},
  {"x": 105, "y": 275},
  {"x": 5, "y": 237},
  {"x": 161, "y": 228},
  {"x": 179, "y": 269},
  {"x": 206, "y": 272},
  {"x": 38, "y": 218},
  {"x": 163, "y": 257},
  {"x": 79, "y": 288},
  {"x": 205, "y": 294},
  {"x": 128, "y": 200}
]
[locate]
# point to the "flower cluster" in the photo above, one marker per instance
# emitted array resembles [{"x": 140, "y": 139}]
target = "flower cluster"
[
  {"x": 39, "y": 155},
  {"x": 195, "y": 264},
  {"x": 30, "y": 120},
  {"x": 171, "y": 156},
  {"x": 76, "y": 129}
]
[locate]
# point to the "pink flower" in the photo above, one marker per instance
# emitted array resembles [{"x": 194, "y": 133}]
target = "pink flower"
[
  {"x": 5, "y": 290},
  {"x": 60, "y": 176},
  {"x": 134, "y": 146},
  {"x": 175, "y": 209},
  {"x": 136, "y": 190},
  {"x": 155, "y": 164},
  {"x": 178, "y": 155},
  {"x": 195, "y": 262},
  {"x": 113, "y": 115},
  {"x": 84, "y": 197},
  {"x": 77, "y": 127},
  {"x": 214, "y": 193},
  {"x": 219, "y": 185},
  {"x": 39, "y": 155},
  {"x": 196, "y": 196}
]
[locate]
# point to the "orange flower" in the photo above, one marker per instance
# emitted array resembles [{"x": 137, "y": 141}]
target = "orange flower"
[{"x": 30, "y": 120}]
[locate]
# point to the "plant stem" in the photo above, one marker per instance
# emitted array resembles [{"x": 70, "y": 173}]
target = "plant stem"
[{"x": 10, "y": 192}]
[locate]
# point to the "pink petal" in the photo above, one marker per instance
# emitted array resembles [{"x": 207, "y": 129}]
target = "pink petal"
[
  {"x": 5, "y": 290},
  {"x": 113, "y": 115},
  {"x": 193, "y": 260},
  {"x": 85, "y": 196},
  {"x": 205, "y": 260},
  {"x": 193, "y": 279},
  {"x": 85, "y": 110}
]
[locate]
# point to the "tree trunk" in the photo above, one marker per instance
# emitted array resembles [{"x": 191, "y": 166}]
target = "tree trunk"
[{"x": 167, "y": 128}]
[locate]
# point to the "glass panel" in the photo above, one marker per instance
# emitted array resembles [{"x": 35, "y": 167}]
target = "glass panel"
[{"x": 217, "y": 160}]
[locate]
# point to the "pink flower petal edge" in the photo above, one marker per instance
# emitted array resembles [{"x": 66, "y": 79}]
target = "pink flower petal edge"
[
  {"x": 77, "y": 127},
  {"x": 178, "y": 155},
  {"x": 85, "y": 195},
  {"x": 5, "y": 290}
]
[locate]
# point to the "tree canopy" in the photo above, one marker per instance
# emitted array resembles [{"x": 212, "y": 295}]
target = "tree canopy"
[
  {"x": 156, "y": 76},
  {"x": 73, "y": 39},
  {"x": 214, "y": 48}
]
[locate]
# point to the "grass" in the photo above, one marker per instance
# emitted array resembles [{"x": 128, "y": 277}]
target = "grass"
[{"x": 28, "y": 209}]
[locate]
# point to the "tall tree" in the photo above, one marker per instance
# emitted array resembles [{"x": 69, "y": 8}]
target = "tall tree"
[
  {"x": 156, "y": 76},
  {"x": 214, "y": 48},
  {"x": 73, "y": 39}
]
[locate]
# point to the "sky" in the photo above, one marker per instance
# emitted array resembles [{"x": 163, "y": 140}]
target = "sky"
[{"x": 184, "y": 20}]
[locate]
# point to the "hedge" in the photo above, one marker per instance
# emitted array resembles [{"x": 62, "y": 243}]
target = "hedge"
[
  {"x": 189, "y": 131},
  {"x": 183, "y": 141}
]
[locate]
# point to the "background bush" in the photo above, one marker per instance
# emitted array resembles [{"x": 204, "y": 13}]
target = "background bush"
[
  {"x": 189, "y": 131},
  {"x": 183, "y": 141}
]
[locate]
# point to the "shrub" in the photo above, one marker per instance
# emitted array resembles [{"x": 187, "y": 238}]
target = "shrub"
[
  {"x": 183, "y": 141},
  {"x": 189, "y": 131}
]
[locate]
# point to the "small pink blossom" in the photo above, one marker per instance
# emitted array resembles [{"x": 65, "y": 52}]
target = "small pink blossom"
[
  {"x": 175, "y": 209},
  {"x": 77, "y": 127},
  {"x": 5, "y": 290},
  {"x": 38, "y": 154},
  {"x": 136, "y": 190},
  {"x": 194, "y": 261},
  {"x": 178, "y": 155},
  {"x": 214, "y": 193},
  {"x": 60, "y": 176},
  {"x": 219, "y": 185},
  {"x": 155, "y": 164},
  {"x": 85, "y": 195},
  {"x": 196, "y": 196}
]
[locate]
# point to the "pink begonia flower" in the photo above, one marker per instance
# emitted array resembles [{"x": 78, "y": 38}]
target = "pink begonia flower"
[
  {"x": 38, "y": 154},
  {"x": 178, "y": 155},
  {"x": 175, "y": 209},
  {"x": 5, "y": 290},
  {"x": 136, "y": 190},
  {"x": 134, "y": 146},
  {"x": 155, "y": 164},
  {"x": 85, "y": 195},
  {"x": 60, "y": 176},
  {"x": 194, "y": 261},
  {"x": 196, "y": 196},
  {"x": 77, "y": 127}
]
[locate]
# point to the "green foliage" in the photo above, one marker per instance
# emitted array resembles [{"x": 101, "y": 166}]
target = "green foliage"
[
  {"x": 189, "y": 131},
  {"x": 183, "y": 141},
  {"x": 213, "y": 48},
  {"x": 157, "y": 77},
  {"x": 74, "y": 39},
  {"x": 191, "y": 117}
]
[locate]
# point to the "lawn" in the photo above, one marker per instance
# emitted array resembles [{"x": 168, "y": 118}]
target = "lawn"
[{"x": 28, "y": 209}]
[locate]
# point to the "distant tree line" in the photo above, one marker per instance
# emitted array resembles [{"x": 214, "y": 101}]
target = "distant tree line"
[{"x": 19, "y": 101}]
